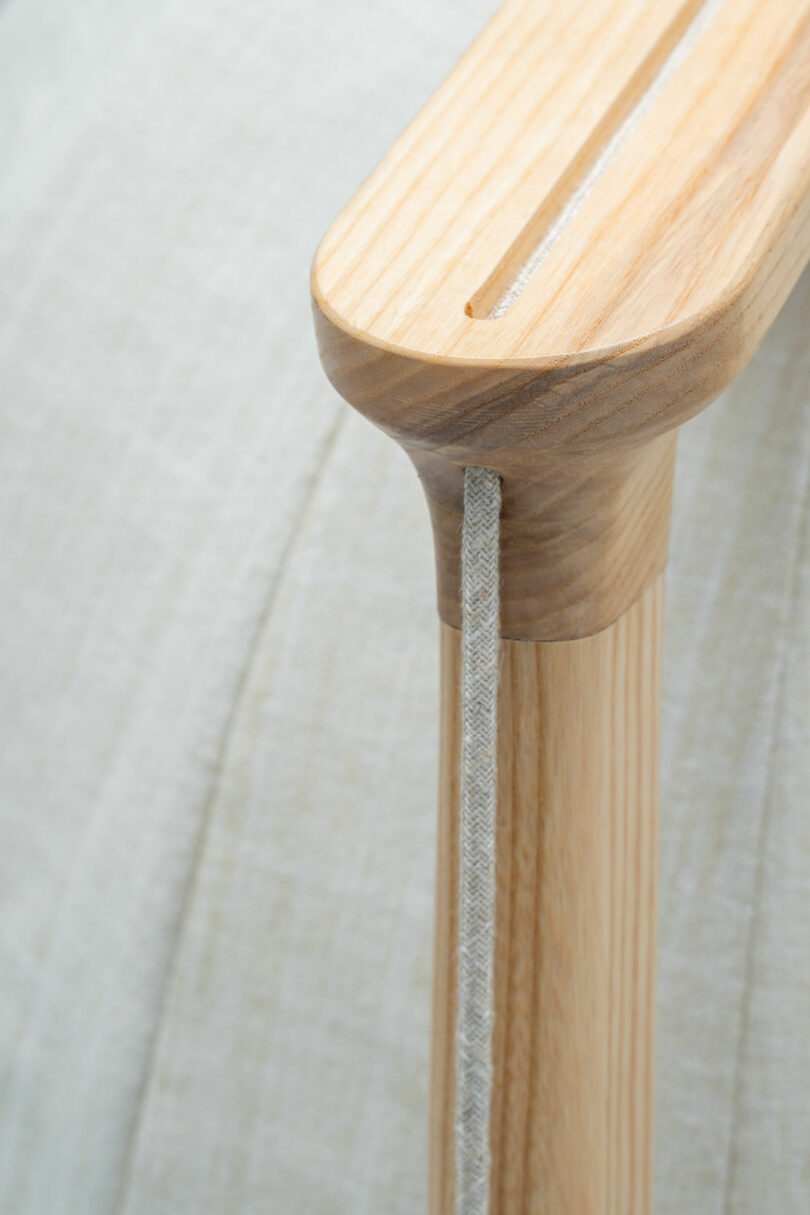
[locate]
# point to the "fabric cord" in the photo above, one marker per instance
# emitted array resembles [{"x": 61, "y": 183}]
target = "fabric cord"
[{"x": 480, "y": 640}]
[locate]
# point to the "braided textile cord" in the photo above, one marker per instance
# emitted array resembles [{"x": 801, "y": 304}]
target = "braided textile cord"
[{"x": 479, "y": 677}]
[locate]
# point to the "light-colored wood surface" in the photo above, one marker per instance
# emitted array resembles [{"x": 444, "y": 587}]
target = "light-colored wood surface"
[
  {"x": 579, "y": 540},
  {"x": 700, "y": 203},
  {"x": 259, "y": 917},
  {"x": 689, "y": 124},
  {"x": 571, "y": 1126},
  {"x": 655, "y": 296}
]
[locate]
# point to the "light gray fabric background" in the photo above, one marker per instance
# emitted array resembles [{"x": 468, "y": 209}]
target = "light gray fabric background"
[{"x": 217, "y": 772}]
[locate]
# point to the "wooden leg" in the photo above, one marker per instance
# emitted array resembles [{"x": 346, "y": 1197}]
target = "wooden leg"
[{"x": 571, "y": 1125}]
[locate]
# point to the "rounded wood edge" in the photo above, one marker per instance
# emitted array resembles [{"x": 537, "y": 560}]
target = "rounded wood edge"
[
  {"x": 580, "y": 541},
  {"x": 585, "y": 454}
]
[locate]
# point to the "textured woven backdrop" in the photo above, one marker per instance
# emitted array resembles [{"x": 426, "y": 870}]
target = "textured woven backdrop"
[{"x": 217, "y": 770}]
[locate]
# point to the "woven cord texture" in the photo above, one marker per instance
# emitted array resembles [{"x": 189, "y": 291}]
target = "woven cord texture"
[{"x": 479, "y": 592}]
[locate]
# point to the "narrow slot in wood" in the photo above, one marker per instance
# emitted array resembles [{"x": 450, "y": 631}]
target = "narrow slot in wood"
[{"x": 557, "y": 211}]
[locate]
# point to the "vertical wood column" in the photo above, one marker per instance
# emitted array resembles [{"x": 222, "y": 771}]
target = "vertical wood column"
[{"x": 572, "y": 1108}]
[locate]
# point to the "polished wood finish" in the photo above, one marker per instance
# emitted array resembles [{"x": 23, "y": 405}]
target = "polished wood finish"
[
  {"x": 655, "y": 296},
  {"x": 658, "y": 153},
  {"x": 571, "y": 1127}
]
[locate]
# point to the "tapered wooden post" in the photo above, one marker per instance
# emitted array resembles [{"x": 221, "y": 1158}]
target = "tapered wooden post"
[
  {"x": 573, "y": 249},
  {"x": 571, "y": 1120}
]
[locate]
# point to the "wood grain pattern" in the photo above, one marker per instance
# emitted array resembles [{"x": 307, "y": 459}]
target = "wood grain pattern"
[
  {"x": 578, "y": 541},
  {"x": 571, "y": 1126},
  {"x": 657, "y": 294},
  {"x": 665, "y": 277}
]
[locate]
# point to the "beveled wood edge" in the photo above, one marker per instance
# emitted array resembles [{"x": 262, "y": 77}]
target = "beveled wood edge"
[{"x": 786, "y": 236}]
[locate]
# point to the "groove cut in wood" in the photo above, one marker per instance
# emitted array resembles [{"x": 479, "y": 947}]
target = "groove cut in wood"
[
  {"x": 514, "y": 273},
  {"x": 574, "y": 247},
  {"x": 663, "y": 281},
  {"x": 577, "y": 831}
]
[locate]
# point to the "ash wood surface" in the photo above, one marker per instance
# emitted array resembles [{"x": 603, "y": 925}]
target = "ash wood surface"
[
  {"x": 579, "y": 540},
  {"x": 659, "y": 153},
  {"x": 654, "y": 297},
  {"x": 707, "y": 194},
  {"x": 571, "y": 1128}
]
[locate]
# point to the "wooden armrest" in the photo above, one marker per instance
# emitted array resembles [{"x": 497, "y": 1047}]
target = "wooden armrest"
[{"x": 574, "y": 247}]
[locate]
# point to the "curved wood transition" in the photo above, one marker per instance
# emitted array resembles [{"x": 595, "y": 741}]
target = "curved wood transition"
[
  {"x": 666, "y": 147},
  {"x": 572, "y": 250}
]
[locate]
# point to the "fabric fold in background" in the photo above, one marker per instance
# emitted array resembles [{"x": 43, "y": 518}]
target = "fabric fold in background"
[{"x": 217, "y": 774}]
